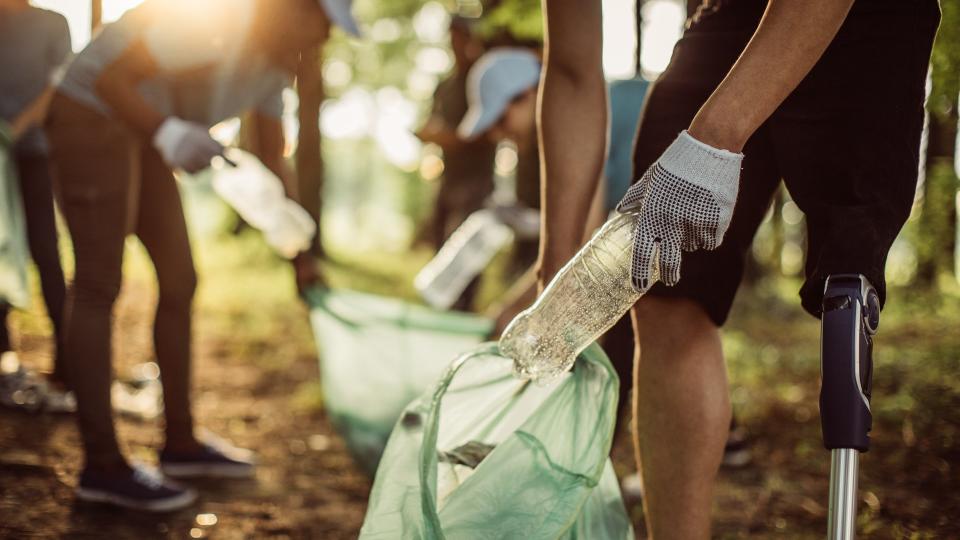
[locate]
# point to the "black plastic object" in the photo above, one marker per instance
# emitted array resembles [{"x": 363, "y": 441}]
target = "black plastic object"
[{"x": 851, "y": 315}]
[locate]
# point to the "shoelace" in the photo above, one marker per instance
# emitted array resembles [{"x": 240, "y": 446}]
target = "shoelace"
[{"x": 148, "y": 478}]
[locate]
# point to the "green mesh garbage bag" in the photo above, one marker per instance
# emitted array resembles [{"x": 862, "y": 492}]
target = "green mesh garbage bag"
[
  {"x": 486, "y": 455},
  {"x": 13, "y": 242},
  {"x": 378, "y": 354}
]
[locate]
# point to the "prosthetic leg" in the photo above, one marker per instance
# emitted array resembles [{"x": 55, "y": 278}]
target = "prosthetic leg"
[{"x": 851, "y": 314}]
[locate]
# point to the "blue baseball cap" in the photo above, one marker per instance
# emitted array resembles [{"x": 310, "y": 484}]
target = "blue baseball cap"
[
  {"x": 340, "y": 13},
  {"x": 494, "y": 81}
]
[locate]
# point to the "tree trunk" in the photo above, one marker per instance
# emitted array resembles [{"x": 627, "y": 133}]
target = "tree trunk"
[
  {"x": 639, "y": 21},
  {"x": 96, "y": 14},
  {"x": 309, "y": 161},
  {"x": 936, "y": 227}
]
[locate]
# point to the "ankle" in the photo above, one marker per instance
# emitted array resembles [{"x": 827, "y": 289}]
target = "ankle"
[
  {"x": 114, "y": 466},
  {"x": 182, "y": 445}
]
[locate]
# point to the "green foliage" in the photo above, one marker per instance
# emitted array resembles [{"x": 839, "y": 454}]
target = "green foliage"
[
  {"x": 386, "y": 54},
  {"x": 945, "y": 61},
  {"x": 521, "y": 19},
  {"x": 933, "y": 235}
]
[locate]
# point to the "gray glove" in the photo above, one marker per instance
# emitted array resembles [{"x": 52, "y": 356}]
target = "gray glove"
[
  {"x": 684, "y": 202},
  {"x": 185, "y": 145}
]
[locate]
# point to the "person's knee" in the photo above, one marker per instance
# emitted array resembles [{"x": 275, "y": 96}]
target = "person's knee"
[
  {"x": 176, "y": 292},
  {"x": 670, "y": 319},
  {"x": 47, "y": 259},
  {"x": 98, "y": 291}
]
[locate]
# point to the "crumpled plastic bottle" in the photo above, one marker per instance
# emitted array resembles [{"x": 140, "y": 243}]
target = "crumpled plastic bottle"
[
  {"x": 257, "y": 195},
  {"x": 587, "y": 297}
]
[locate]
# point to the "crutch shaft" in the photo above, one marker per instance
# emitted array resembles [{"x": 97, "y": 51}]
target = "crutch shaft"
[{"x": 842, "y": 516}]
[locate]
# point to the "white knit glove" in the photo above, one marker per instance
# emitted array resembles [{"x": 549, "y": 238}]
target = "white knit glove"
[
  {"x": 684, "y": 202},
  {"x": 185, "y": 145}
]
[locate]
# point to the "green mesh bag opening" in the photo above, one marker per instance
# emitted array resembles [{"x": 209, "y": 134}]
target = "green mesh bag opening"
[
  {"x": 543, "y": 472},
  {"x": 13, "y": 242},
  {"x": 378, "y": 354}
]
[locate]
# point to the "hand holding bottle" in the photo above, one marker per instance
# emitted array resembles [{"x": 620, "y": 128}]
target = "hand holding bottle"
[{"x": 684, "y": 202}]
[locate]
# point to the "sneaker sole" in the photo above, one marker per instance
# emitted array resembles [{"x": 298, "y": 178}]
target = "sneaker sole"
[
  {"x": 206, "y": 470},
  {"x": 737, "y": 458},
  {"x": 162, "y": 505}
]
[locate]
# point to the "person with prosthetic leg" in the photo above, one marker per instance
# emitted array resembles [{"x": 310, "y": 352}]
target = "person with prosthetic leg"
[{"x": 757, "y": 92}]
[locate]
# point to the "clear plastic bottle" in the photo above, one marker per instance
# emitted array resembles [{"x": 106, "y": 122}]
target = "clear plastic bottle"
[
  {"x": 585, "y": 299},
  {"x": 258, "y": 196}
]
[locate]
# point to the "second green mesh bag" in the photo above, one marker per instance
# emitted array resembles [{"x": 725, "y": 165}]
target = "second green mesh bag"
[
  {"x": 486, "y": 455},
  {"x": 13, "y": 240},
  {"x": 378, "y": 354}
]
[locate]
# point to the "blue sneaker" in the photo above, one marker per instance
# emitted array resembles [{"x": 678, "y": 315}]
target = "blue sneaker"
[
  {"x": 139, "y": 489},
  {"x": 216, "y": 458}
]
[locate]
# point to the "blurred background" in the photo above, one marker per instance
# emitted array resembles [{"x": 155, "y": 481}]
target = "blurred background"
[{"x": 375, "y": 182}]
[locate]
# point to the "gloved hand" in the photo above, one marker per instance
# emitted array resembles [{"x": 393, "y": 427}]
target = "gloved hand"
[
  {"x": 684, "y": 203},
  {"x": 185, "y": 145}
]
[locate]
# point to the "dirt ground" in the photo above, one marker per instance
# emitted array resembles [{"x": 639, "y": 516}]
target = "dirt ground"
[
  {"x": 256, "y": 384},
  {"x": 306, "y": 486}
]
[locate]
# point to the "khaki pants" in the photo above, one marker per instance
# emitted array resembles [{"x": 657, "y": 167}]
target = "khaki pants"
[{"x": 111, "y": 183}]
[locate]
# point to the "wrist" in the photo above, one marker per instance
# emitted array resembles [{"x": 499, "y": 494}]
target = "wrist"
[
  {"x": 699, "y": 162},
  {"x": 155, "y": 124},
  {"x": 551, "y": 261},
  {"x": 725, "y": 134}
]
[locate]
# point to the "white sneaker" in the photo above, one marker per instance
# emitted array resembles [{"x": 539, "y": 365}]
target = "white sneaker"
[{"x": 59, "y": 400}]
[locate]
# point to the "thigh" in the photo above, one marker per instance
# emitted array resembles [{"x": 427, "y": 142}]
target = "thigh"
[
  {"x": 161, "y": 226},
  {"x": 848, "y": 139},
  {"x": 93, "y": 169}
]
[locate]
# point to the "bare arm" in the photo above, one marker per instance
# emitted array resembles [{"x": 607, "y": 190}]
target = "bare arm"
[
  {"x": 572, "y": 124},
  {"x": 598, "y": 214},
  {"x": 436, "y": 131},
  {"x": 525, "y": 290},
  {"x": 268, "y": 147},
  {"x": 791, "y": 37},
  {"x": 33, "y": 115},
  {"x": 519, "y": 297},
  {"x": 118, "y": 87}
]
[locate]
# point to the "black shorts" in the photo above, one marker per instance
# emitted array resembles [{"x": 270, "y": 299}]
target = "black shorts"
[{"x": 845, "y": 142}]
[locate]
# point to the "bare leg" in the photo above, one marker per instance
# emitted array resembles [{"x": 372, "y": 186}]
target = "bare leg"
[{"x": 682, "y": 414}]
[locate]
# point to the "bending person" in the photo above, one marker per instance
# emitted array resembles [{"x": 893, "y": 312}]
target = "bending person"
[
  {"x": 133, "y": 106},
  {"x": 793, "y": 86}
]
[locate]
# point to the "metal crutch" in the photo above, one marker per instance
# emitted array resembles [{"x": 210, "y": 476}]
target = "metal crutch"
[{"x": 851, "y": 315}]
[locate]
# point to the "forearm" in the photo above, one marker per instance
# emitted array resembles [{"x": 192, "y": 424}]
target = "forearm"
[
  {"x": 125, "y": 101},
  {"x": 788, "y": 42},
  {"x": 118, "y": 86},
  {"x": 33, "y": 115},
  {"x": 437, "y": 132},
  {"x": 572, "y": 125},
  {"x": 519, "y": 297},
  {"x": 598, "y": 214}
]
